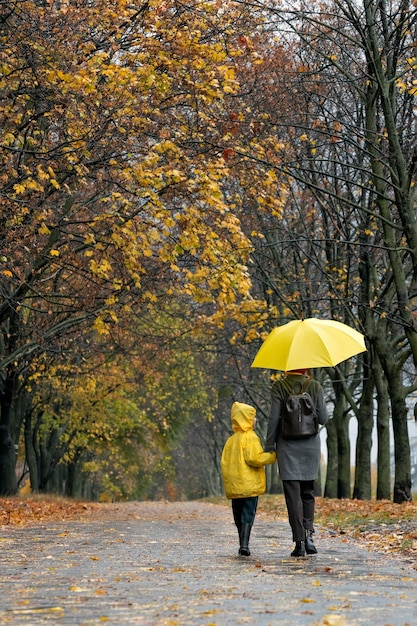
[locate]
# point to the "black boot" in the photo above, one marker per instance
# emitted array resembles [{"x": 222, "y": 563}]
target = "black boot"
[
  {"x": 310, "y": 547},
  {"x": 299, "y": 549},
  {"x": 239, "y": 530},
  {"x": 244, "y": 540}
]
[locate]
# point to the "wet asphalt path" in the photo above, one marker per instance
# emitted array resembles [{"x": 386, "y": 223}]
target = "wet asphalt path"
[{"x": 166, "y": 564}]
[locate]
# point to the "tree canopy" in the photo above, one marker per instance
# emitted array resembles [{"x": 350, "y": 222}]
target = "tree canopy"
[{"x": 176, "y": 179}]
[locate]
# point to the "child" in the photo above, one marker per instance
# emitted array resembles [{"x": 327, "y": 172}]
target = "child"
[{"x": 243, "y": 471}]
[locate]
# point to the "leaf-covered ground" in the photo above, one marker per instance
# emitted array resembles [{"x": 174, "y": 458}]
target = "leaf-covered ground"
[
  {"x": 382, "y": 525},
  {"x": 31, "y": 511}
]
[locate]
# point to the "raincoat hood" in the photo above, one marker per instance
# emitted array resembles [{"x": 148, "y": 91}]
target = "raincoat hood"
[{"x": 242, "y": 416}]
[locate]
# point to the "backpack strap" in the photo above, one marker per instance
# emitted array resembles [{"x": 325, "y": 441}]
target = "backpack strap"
[
  {"x": 290, "y": 388},
  {"x": 287, "y": 384}
]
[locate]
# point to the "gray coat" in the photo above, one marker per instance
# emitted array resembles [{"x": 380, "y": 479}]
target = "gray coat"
[{"x": 297, "y": 459}]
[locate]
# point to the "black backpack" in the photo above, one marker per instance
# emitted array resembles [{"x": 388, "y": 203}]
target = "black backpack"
[{"x": 298, "y": 413}]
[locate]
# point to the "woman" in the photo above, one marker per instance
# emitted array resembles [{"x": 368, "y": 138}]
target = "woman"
[{"x": 298, "y": 459}]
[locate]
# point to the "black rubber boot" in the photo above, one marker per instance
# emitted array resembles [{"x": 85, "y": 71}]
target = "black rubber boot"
[
  {"x": 239, "y": 530},
  {"x": 310, "y": 547},
  {"x": 299, "y": 549},
  {"x": 244, "y": 539}
]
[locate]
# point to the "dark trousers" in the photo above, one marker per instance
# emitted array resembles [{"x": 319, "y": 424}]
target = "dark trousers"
[
  {"x": 244, "y": 510},
  {"x": 299, "y": 498}
]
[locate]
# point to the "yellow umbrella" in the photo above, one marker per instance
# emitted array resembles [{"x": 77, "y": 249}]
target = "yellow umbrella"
[{"x": 309, "y": 343}]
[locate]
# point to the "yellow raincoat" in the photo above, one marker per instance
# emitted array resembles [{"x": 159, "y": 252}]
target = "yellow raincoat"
[{"x": 243, "y": 458}]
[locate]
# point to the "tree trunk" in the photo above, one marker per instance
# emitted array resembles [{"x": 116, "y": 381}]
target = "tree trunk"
[
  {"x": 402, "y": 482},
  {"x": 272, "y": 479},
  {"x": 30, "y": 454},
  {"x": 383, "y": 487},
  {"x": 393, "y": 373},
  {"x": 49, "y": 457},
  {"x": 343, "y": 454},
  {"x": 330, "y": 488},
  {"x": 341, "y": 422},
  {"x": 363, "y": 482},
  {"x": 8, "y": 482},
  {"x": 56, "y": 481},
  {"x": 74, "y": 479}
]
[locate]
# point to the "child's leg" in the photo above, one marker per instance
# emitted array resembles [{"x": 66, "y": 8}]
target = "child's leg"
[
  {"x": 249, "y": 506},
  {"x": 237, "y": 515},
  {"x": 237, "y": 506}
]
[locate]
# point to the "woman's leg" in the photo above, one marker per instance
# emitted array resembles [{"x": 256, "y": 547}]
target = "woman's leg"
[
  {"x": 307, "y": 497},
  {"x": 292, "y": 492}
]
